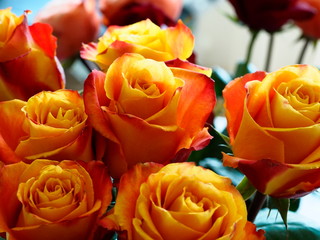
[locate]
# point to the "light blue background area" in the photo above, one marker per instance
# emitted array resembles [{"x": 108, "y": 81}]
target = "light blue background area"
[{"x": 19, "y": 6}]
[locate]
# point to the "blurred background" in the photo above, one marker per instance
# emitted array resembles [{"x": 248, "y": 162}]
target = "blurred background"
[{"x": 219, "y": 41}]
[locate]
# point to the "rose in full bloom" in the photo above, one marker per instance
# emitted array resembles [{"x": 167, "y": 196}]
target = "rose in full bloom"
[
  {"x": 125, "y": 12},
  {"x": 28, "y": 63},
  {"x": 49, "y": 125},
  {"x": 270, "y": 15},
  {"x": 274, "y": 128},
  {"x": 311, "y": 27},
  {"x": 179, "y": 201},
  {"x": 144, "y": 38},
  {"x": 149, "y": 111},
  {"x": 74, "y": 22},
  {"x": 53, "y": 200}
]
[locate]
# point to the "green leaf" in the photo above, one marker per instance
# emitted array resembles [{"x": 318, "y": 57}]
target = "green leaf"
[
  {"x": 221, "y": 78},
  {"x": 283, "y": 205},
  {"x": 114, "y": 237},
  {"x": 296, "y": 231},
  {"x": 293, "y": 207},
  {"x": 244, "y": 68},
  {"x": 246, "y": 188},
  {"x": 299, "y": 227},
  {"x": 2, "y": 238},
  {"x": 216, "y": 165}
]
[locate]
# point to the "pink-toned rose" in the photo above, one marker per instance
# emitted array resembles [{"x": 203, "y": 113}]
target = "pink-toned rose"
[
  {"x": 125, "y": 12},
  {"x": 53, "y": 200},
  {"x": 73, "y": 21},
  {"x": 28, "y": 63},
  {"x": 149, "y": 111}
]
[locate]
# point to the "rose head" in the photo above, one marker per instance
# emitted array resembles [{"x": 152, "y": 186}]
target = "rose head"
[
  {"x": 144, "y": 38},
  {"x": 125, "y": 12},
  {"x": 27, "y": 58},
  {"x": 311, "y": 27},
  {"x": 74, "y": 22},
  {"x": 50, "y": 124},
  {"x": 270, "y": 15},
  {"x": 274, "y": 128},
  {"x": 179, "y": 199},
  {"x": 149, "y": 111},
  {"x": 53, "y": 200}
]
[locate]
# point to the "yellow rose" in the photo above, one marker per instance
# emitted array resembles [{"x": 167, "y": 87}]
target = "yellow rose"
[
  {"x": 274, "y": 128},
  {"x": 144, "y": 38},
  {"x": 149, "y": 111},
  {"x": 53, "y": 200},
  {"x": 49, "y": 125},
  {"x": 179, "y": 201},
  {"x": 28, "y": 63}
]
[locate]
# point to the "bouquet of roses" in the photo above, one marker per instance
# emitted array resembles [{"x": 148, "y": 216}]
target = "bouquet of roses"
[{"x": 132, "y": 155}]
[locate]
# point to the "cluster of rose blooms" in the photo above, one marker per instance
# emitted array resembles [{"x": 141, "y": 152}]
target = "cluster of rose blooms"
[{"x": 114, "y": 159}]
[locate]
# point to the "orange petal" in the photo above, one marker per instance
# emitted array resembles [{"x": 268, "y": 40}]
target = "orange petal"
[
  {"x": 129, "y": 188},
  {"x": 41, "y": 34},
  {"x": 80, "y": 228},
  {"x": 178, "y": 63},
  {"x": 11, "y": 118},
  {"x": 128, "y": 130},
  {"x": 252, "y": 139},
  {"x": 101, "y": 183},
  {"x": 180, "y": 40},
  {"x": 9, "y": 204},
  {"x": 298, "y": 143},
  {"x": 197, "y": 100},
  {"x": 251, "y": 233},
  {"x": 234, "y": 94},
  {"x": 94, "y": 97}
]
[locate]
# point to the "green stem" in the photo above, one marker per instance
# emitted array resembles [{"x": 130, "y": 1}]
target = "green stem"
[
  {"x": 256, "y": 205},
  {"x": 270, "y": 47},
  {"x": 303, "y": 50},
  {"x": 254, "y": 34}
]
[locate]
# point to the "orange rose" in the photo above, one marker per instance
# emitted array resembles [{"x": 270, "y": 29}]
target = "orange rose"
[
  {"x": 149, "y": 111},
  {"x": 124, "y": 12},
  {"x": 311, "y": 27},
  {"x": 53, "y": 200},
  {"x": 74, "y": 22},
  {"x": 179, "y": 201},
  {"x": 144, "y": 38},
  {"x": 49, "y": 125},
  {"x": 274, "y": 128},
  {"x": 27, "y": 58}
]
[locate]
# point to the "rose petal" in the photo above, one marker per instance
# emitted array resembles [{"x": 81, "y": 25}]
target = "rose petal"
[
  {"x": 234, "y": 94},
  {"x": 251, "y": 140}
]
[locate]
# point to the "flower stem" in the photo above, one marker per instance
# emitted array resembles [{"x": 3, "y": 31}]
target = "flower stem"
[
  {"x": 303, "y": 50},
  {"x": 270, "y": 47},
  {"x": 254, "y": 34},
  {"x": 256, "y": 205}
]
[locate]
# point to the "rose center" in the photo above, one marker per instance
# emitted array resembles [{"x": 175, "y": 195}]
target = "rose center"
[{"x": 304, "y": 98}]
